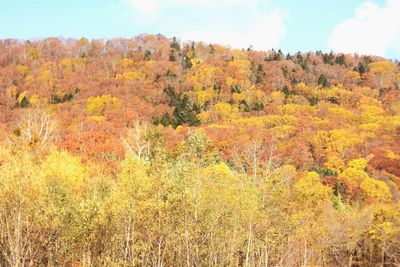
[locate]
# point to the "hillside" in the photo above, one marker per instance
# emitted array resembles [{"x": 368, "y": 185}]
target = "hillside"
[{"x": 150, "y": 151}]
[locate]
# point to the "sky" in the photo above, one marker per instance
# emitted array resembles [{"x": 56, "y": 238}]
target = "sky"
[{"x": 350, "y": 26}]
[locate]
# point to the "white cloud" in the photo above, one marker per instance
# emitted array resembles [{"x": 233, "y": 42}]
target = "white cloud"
[
  {"x": 148, "y": 8},
  {"x": 373, "y": 30},
  {"x": 152, "y": 7},
  {"x": 237, "y": 23},
  {"x": 261, "y": 30}
]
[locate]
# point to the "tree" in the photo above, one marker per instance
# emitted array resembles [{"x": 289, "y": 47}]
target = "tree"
[
  {"x": 98, "y": 105},
  {"x": 375, "y": 190},
  {"x": 130, "y": 204},
  {"x": 21, "y": 208},
  {"x": 353, "y": 77},
  {"x": 37, "y": 126},
  {"x": 311, "y": 189},
  {"x": 147, "y": 55},
  {"x": 323, "y": 81},
  {"x": 184, "y": 111},
  {"x": 381, "y": 70},
  {"x": 136, "y": 141},
  {"x": 282, "y": 171},
  {"x": 341, "y": 60},
  {"x": 175, "y": 45},
  {"x": 353, "y": 176}
]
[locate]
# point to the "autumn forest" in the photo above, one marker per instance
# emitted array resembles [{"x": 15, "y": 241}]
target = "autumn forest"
[{"x": 152, "y": 151}]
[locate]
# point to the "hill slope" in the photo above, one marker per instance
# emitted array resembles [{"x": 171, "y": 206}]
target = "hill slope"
[{"x": 147, "y": 151}]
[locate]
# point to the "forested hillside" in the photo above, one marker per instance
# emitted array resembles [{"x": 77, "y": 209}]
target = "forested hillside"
[{"x": 154, "y": 152}]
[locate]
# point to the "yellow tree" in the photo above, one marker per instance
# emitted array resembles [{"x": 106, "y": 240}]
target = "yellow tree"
[
  {"x": 65, "y": 180},
  {"x": 97, "y": 106},
  {"x": 133, "y": 200},
  {"x": 381, "y": 70},
  {"x": 384, "y": 232},
  {"x": 313, "y": 199},
  {"x": 375, "y": 191},
  {"x": 352, "y": 77},
  {"x": 21, "y": 209}
]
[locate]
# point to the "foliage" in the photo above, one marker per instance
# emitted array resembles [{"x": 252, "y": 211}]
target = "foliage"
[
  {"x": 184, "y": 111},
  {"x": 375, "y": 190},
  {"x": 99, "y": 104},
  {"x": 150, "y": 151}
]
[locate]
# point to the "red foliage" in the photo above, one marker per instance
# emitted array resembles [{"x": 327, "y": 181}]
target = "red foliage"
[
  {"x": 381, "y": 161},
  {"x": 96, "y": 147}
]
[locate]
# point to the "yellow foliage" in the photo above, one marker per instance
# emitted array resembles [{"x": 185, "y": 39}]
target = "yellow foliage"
[
  {"x": 301, "y": 88},
  {"x": 29, "y": 78},
  {"x": 353, "y": 75},
  {"x": 359, "y": 164},
  {"x": 295, "y": 109},
  {"x": 339, "y": 140},
  {"x": 386, "y": 221},
  {"x": 368, "y": 101},
  {"x": 133, "y": 179},
  {"x": 277, "y": 97},
  {"x": 67, "y": 63},
  {"x": 204, "y": 75},
  {"x": 370, "y": 127},
  {"x": 83, "y": 41},
  {"x": 375, "y": 190},
  {"x": 226, "y": 111},
  {"x": 220, "y": 171},
  {"x": 130, "y": 76},
  {"x": 70, "y": 63},
  {"x": 237, "y": 97},
  {"x": 195, "y": 62},
  {"x": 98, "y": 118},
  {"x": 354, "y": 174},
  {"x": 24, "y": 70},
  {"x": 364, "y": 91},
  {"x": 44, "y": 75},
  {"x": 205, "y": 96},
  {"x": 230, "y": 82},
  {"x": 240, "y": 64},
  {"x": 283, "y": 131},
  {"x": 338, "y": 94},
  {"x": 64, "y": 168},
  {"x": 36, "y": 100},
  {"x": 255, "y": 96},
  {"x": 238, "y": 54},
  {"x": 126, "y": 63},
  {"x": 34, "y": 53},
  {"x": 307, "y": 91},
  {"x": 334, "y": 163},
  {"x": 311, "y": 189},
  {"x": 342, "y": 113},
  {"x": 98, "y": 105},
  {"x": 381, "y": 67},
  {"x": 371, "y": 113},
  {"x": 204, "y": 116},
  {"x": 288, "y": 172},
  {"x": 267, "y": 121},
  {"x": 242, "y": 67},
  {"x": 392, "y": 155},
  {"x": 22, "y": 96}
]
